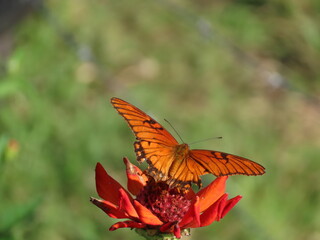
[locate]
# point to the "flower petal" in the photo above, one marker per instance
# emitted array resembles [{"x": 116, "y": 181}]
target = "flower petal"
[
  {"x": 109, "y": 208},
  {"x": 127, "y": 224},
  {"x": 106, "y": 186},
  {"x": 177, "y": 231},
  {"x": 218, "y": 210},
  {"x": 211, "y": 193},
  {"x": 167, "y": 227},
  {"x": 221, "y": 206},
  {"x": 136, "y": 178},
  {"x": 229, "y": 205},
  {"x": 145, "y": 215},
  {"x": 125, "y": 204},
  {"x": 190, "y": 195},
  {"x": 192, "y": 217},
  {"x": 212, "y": 213}
]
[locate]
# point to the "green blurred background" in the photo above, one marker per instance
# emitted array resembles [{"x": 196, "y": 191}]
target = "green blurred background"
[{"x": 246, "y": 70}]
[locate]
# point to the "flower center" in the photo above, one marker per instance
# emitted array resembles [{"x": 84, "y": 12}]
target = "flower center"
[{"x": 168, "y": 204}]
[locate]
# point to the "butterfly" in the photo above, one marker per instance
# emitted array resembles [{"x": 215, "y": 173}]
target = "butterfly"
[{"x": 176, "y": 163}]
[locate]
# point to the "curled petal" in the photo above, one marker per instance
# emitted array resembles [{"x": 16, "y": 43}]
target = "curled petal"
[
  {"x": 177, "y": 231},
  {"x": 127, "y": 224},
  {"x": 192, "y": 217},
  {"x": 136, "y": 178},
  {"x": 218, "y": 210},
  {"x": 146, "y": 216},
  {"x": 106, "y": 186},
  {"x": 212, "y": 192},
  {"x": 212, "y": 213},
  {"x": 230, "y": 204},
  {"x": 125, "y": 204},
  {"x": 221, "y": 206},
  {"x": 109, "y": 208},
  {"x": 167, "y": 227}
]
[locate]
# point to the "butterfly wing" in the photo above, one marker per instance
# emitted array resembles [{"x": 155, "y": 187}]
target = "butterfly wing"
[
  {"x": 201, "y": 162},
  {"x": 154, "y": 143},
  {"x": 173, "y": 162},
  {"x": 183, "y": 173},
  {"x": 222, "y": 164}
]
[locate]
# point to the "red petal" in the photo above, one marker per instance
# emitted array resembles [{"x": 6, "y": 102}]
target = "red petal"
[
  {"x": 221, "y": 206},
  {"x": 177, "y": 231},
  {"x": 136, "y": 178},
  {"x": 212, "y": 192},
  {"x": 230, "y": 204},
  {"x": 167, "y": 227},
  {"x": 127, "y": 224},
  {"x": 125, "y": 204},
  {"x": 192, "y": 217},
  {"x": 190, "y": 195},
  {"x": 109, "y": 208},
  {"x": 107, "y": 187},
  {"x": 146, "y": 216},
  {"x": 213, "y": 213}
]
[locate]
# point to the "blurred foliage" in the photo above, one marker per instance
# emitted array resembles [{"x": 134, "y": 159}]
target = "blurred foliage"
[{"x": 171, "y": 58}]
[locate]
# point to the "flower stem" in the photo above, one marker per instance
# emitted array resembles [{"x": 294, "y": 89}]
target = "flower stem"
[{"x": 152, "y": 234}]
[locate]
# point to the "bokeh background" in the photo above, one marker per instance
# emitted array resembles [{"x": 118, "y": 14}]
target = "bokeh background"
[{"x": 246, "y": 70}]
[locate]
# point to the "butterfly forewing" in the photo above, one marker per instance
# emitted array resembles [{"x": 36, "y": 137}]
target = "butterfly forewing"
[
  {"x": 143, "y": 126},
  {"x": 221, "y": 164},
  {"x": 153, "y": 144}
]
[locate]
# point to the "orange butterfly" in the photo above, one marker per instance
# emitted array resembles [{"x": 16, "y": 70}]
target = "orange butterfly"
[{"x": 176, "y": 163}]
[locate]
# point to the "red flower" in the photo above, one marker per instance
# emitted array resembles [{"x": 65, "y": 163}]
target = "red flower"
[{"x": 157, "y": 206}]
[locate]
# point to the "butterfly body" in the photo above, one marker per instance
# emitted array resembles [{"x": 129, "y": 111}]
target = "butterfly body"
[
  {"x": 181, "y": 152},
  {"x": 175, "y": 163}
]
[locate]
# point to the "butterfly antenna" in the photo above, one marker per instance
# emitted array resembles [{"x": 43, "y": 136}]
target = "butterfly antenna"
[
  {"x": 174, "y": 130},
  {"x": 203, "y": 140}
]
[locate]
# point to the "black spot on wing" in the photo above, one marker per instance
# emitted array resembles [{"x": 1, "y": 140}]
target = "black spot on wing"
[
  {"x": 223, "y": 157},
  {"x": 141, "y": 155},
  {"x": 152, "y": 123}
]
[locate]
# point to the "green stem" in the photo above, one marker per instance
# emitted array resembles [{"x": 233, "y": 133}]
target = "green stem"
[{"x": 153, "y": 234}]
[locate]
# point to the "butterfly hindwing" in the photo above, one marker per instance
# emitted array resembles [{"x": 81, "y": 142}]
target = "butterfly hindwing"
[
  {"x": 185, "y": 173},
  {"x": 159, "y": 158}
]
